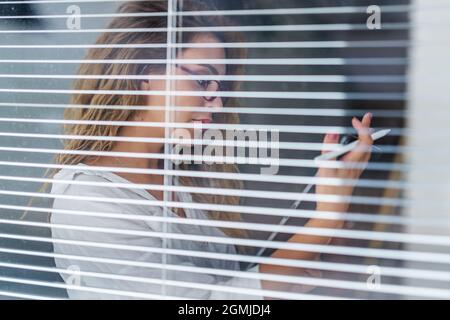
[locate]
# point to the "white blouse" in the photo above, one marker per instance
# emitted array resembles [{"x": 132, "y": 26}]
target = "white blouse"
[{"x": 120, "y": 257}]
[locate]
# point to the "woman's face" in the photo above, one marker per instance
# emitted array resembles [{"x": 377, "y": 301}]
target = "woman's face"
[{"x": 186, "y": 69}]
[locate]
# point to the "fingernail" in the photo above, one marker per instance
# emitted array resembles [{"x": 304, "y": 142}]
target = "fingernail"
[{"x": 370, "y": 115}]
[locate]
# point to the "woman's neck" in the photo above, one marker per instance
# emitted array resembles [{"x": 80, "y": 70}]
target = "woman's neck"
[{"x": 130, "y": 162}]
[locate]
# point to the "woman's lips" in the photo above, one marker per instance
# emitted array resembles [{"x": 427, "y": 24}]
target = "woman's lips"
[{"x": 202, "y": 120}]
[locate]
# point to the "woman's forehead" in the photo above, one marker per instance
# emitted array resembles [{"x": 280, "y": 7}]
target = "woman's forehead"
[
  {"x": 203, "y": 54},
  {"x": 206, "y": 53}
]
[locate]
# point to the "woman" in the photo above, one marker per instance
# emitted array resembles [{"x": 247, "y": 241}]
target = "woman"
[{"x": 112, "y": 236}]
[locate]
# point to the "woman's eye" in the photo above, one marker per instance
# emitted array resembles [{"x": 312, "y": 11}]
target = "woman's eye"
[{"x": 203, "y": 83}]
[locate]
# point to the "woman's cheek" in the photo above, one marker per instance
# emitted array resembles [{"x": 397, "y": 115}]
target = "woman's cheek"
[
  {"x": 184, "y": 117},
  {"x": 189, "y": 101}
]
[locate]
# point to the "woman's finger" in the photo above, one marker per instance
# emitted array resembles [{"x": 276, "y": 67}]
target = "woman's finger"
[
  {"x": 330, "y": 138},
  {"x": 363, "y": 129},
  {"x": 363, "y": 149}
]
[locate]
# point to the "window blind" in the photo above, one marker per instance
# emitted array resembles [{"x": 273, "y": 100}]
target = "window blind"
[{"x": 309, "y": 68}]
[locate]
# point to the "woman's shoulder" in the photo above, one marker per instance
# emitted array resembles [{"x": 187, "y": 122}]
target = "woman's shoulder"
[
  {"x": 88, "y": 180},
  {"x": 88, "y": 189},
  {"x": 81, "y": 180}
]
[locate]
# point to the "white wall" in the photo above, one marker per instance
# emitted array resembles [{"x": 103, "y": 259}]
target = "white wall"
[{"x": 429, "y": 121}]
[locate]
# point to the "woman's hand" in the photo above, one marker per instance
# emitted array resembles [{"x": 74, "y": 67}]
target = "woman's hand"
[
  {"x": 292, "y": 287},
  {"x": 361, "y": 155}
]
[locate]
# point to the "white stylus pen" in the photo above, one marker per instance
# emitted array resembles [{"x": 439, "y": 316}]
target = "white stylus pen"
[
  {"x": 334, "y": 154},
  {"x": 326, "y": 156}
]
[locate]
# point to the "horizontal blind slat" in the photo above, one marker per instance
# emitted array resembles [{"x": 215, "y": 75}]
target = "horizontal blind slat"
[
  {"x": 379, "y": 166},
  {"x": 298, "y": 179},
  {"x": 258, "y": 78},
  {"x": 285, "y": 195},
  {"x": 326, "y": 198},
  {"x": 312, "y": 111},
  {"x": 352, "y": 234},
  {"x": 390, "y": 96},
  {"x": 90, "y": 289},
  {"x": 311, "y": 146},
  {"x": 263, "y": 28},
  {"x": 350, "y": 285},
  {"x": 11, "y": 294},
  {"x": 230, "y": 191},
  {"x": 391, "y": 254},
  {"x": 261, "y": 45},
  {"x": 301, "y": 213},
  {"x": 214, "y": 271}
]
